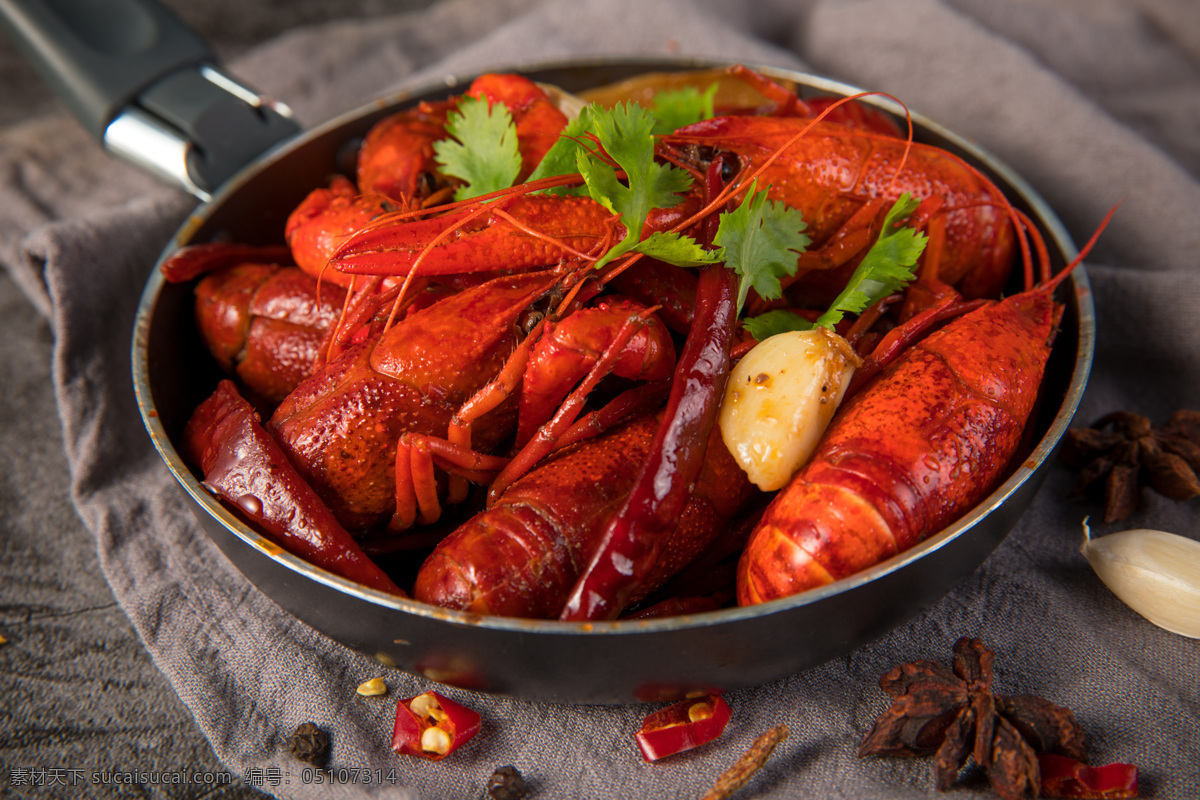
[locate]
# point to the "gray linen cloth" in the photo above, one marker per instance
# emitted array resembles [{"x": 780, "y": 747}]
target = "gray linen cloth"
[{"x": 1093, "y": 102}]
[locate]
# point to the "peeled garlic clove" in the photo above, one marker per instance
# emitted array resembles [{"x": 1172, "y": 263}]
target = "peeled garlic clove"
[
  {"x": 779, "y": 400},
  {"x": 1157, "y": 574}
]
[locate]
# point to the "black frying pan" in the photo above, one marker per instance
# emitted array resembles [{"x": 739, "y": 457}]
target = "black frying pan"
[{"x": 248, "y": 195}]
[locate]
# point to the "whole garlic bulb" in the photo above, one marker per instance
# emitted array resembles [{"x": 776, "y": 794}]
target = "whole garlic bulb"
[{"x": 1155, "y": 573}]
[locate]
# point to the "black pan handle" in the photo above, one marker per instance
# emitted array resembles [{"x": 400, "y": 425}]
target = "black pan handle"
[{"x": 147, "y": 87}]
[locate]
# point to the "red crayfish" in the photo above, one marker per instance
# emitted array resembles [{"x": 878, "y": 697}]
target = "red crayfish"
[{"x": 471, "y": 353}]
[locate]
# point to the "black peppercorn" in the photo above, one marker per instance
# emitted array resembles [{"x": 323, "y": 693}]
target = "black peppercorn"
[
  {"x": 506, "y": 783},
  {"x": 310, "y": 744}
]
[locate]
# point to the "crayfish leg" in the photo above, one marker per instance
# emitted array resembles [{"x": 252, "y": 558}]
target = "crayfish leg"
[
  {"x": 624, "y": 338},
  {"x": 417, "y": 486}
]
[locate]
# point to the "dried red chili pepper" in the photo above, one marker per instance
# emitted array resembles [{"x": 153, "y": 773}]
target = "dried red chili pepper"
[
  {"x": 635, "y": 534},
  {"x": 432, "y": 726},
  {"x": 1066, "y": 777},
  {"x": 683, "y": 726}
]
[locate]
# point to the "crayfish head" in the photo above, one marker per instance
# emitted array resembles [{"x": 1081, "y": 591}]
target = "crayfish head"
[{"x": 698, "y": 157}]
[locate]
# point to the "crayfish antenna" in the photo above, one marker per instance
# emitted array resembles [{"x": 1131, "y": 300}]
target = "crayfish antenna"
[{"x": 1087, "y": 248}]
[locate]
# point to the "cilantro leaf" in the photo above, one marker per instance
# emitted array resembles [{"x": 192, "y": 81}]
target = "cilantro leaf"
[
  {"x": 675, "y": 108},
  {"x": 483, "y": 152},
  {"x": 761, "y": 241},
  {"x": 886, "y": 268},
  {"x": 677, "y": 249},
  {"x": 672, "y": 109},
  {"x": 626, "y": 134},
  {"x": 778, "y": 321},
  {"x": 560, "y": 159}
]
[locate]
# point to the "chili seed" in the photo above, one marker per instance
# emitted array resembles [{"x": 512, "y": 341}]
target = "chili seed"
[
  {"x": 435, "y": 740},
  {"x": 423, "y": 705},
  {"x": 373, "y": 687},
  {"x": 699, "y": 711}
]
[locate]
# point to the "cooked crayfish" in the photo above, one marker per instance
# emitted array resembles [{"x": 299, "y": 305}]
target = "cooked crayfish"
[
  {"x": 342, "y": 426},
  {"x": 522, "y": 556},
  {"x": 473, "y": 333},
  {"x": 841, "y": 177},
  {"x": 925, "y": 441}
]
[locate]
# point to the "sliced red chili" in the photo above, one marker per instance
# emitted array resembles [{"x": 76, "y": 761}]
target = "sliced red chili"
[
  {"x": 1066, "y": 777},
  {"x": 683, "y": 726},
  {"x": 432, "y": 726}
]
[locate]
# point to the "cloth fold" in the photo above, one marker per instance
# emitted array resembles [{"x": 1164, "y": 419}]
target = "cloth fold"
[{"x": 80, "y": 233}]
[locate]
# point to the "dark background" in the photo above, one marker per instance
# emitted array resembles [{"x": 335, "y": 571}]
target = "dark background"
[{"x": 230, "y": 27}]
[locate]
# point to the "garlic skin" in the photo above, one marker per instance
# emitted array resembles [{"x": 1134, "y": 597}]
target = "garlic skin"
[
  {"x": 780, "y": 398},
  {"x": 1155, "y": 573}
]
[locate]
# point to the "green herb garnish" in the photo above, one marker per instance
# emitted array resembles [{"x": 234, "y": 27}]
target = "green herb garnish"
[
  {"x": 672, "y": 109},
  {"x": 483, "y": 152},
  {"x": 485, "y": 156},
  {"x": 761, "y": 240},
  {"x": 626, "y": 134},
  {"x": 560, "y": 159},
  {"x": 676, "y": 108},
  {"x": 886, "y": 268},
  {"x": 780, "y": 320}
]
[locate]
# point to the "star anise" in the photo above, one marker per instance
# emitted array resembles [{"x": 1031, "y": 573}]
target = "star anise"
[
  {"x": 953, "y": 715},
  {"x": 1128, "y": 452}
]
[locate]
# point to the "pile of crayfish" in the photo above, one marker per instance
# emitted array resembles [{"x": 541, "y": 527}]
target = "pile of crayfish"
[{"x": 507, "y": 391}]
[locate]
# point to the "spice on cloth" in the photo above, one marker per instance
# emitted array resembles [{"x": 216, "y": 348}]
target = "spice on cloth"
[
  {"x": 682, "y": 726},
  {"x": 1066, "y": 777},
  {"x": 310, "y": 744},
  {"x": 432, "y": 726},
  {"x": 372, "y": 688},
  {"x": 1155, "y": 573},
  {"x": 507, "y": 783},
  {"x": 952, "y": 714},
  {"x": 751, "y": 762},
  {"x": 1127, "y": 452}
]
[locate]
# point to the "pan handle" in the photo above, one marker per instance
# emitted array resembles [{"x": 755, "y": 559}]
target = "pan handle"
[{"x": 147, "y": 87}]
